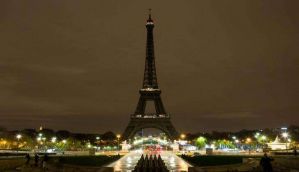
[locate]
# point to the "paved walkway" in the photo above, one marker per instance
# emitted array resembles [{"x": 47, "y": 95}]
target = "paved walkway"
[{"x": 129, "y": 161}]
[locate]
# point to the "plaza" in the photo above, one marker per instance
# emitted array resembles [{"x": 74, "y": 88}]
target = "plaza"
[{"x": 114, "y": 86}]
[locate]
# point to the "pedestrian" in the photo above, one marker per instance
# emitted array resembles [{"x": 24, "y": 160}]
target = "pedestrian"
[
  {"x": 295, "y": 151},
  {"x": 45, "y": 160},
  {"x": 36, "y": 159},
  {"x": 27, "y": 157},
  {"x": 266, "y": 163}
]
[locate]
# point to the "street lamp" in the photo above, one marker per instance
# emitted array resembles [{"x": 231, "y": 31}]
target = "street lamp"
[
  {"x": 264, "y": 137},
  {"x": 248, "y": 141},
  {"x": 183, "y": 136},
  {"x": 18, "y": 136},
  {"x": 53, "y": 140},
  {"x": 118, "y": 137},
  {"x": 257, "y": 135},
  {"x": 285, "y": 135}
]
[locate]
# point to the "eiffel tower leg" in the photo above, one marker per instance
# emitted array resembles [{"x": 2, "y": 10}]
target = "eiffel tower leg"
[
  {"x": 159, "y": 106},
  {"x": 141, "y": 106}
]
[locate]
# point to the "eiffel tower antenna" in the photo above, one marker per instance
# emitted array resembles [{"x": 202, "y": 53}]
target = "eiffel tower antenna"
[{"x": 149, "y": 12}]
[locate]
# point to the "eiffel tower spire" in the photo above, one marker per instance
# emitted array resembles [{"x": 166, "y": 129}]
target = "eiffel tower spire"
[
  {"x": 150, "y": 76},
  {"x": 150, "y": 90}
]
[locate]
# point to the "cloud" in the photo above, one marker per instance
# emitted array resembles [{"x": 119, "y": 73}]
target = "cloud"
[{"x": 233, "y": 59}]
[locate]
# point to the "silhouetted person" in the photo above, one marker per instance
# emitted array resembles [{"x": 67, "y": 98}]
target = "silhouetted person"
[
  {"x": 295, "y": 151},
  {"x": 45, "y": 160},
  {"x": 36, "y": 158},
  {"x": 27, "y": 157},
  {"x": 266, "y": 163}
]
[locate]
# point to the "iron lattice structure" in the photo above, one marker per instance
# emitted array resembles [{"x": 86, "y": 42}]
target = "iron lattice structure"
[{"x": 150, "y": 92}]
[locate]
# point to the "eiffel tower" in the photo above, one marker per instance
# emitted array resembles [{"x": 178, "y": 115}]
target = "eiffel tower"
[{"x": 150, "y": 92}]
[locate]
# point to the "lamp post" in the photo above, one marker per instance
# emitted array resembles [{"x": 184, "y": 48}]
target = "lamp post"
[
  {"x": 118, "y": 137},
  {"x": 44, "y": 143},
  {"x": 263, "y": 140},
  {"x": 53, "y": 140},
  {"x": 285, "y": 135},
  {"x": 248, "y": 141},
  {"x": 18, "y": 136}
]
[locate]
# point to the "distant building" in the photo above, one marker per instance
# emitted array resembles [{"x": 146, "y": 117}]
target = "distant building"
[{"x": 278, "y": 145}]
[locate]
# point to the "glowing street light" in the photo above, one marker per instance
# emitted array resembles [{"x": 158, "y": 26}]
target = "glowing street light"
[
  {"x": 118, "y": 136},
  {"x": 18, "y": 136},
  {"x": 285, "y": 135},
  {"x": 183, "y": 136},
  {"x": 97, "y": 138},
  {"x": 248, "y": 140},
  {"x": 264, "y": 137},
  {"x": 64, "y": 141},
  {"x": 53, "y": 140}
]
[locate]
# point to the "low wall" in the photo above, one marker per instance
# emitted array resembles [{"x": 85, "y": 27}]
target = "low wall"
[
  {"x": 247, "y": 165},
  {"x": 289, "y": 162},
  {"x": 73, "y": 168}
]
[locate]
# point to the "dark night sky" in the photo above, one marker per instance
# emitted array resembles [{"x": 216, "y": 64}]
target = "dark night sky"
[{"x": 78, "y": 65}]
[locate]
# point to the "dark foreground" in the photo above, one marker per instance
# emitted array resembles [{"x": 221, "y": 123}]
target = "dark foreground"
[{"x": 200, "y": 163}]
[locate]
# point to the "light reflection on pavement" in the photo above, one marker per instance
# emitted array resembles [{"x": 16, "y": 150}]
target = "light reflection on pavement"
[
  {"x": 129, "y": 161},
  {"x": 173, "y": 162}
]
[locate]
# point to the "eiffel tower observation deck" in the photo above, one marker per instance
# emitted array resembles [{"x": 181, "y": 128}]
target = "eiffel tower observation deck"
[{"x": 150, "y": 92}]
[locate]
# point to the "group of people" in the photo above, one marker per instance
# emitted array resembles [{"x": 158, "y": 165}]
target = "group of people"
[{"x": 37, "y": 160}]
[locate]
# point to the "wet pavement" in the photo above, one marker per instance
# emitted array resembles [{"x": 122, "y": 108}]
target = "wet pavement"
[{"x": 129, "y": 161}]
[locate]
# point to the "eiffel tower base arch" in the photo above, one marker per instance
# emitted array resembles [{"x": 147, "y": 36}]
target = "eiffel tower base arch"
[{"x": 137, "y": 124}]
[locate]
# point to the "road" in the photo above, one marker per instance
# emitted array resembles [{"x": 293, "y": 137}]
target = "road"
[{"x": 128, "y": 162}]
